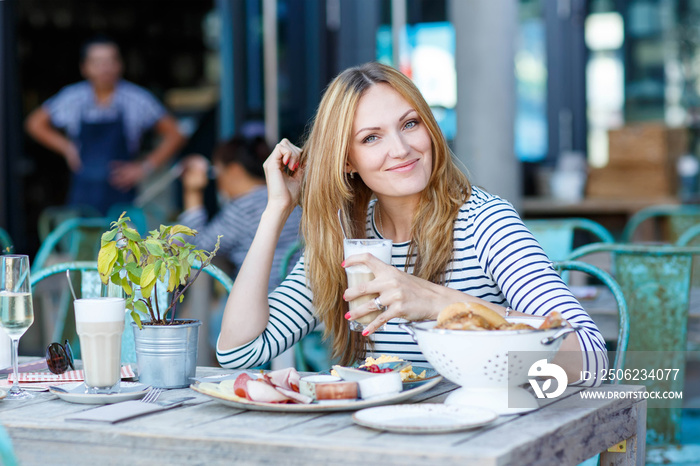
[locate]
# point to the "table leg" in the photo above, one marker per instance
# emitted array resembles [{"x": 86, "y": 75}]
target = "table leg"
[{"x": 635, "y": 448}]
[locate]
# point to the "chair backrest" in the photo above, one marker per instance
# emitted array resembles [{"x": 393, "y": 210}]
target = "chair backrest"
[
  {"x": 622, "y": 311},
  {"x": 84, "y": 243},
  {"x": 287, "y": 264},
  {"x": 655, "y": 280},
  {"x": 690, "y": 237},
  {"x": 52, "y": 216},
  {"x": 678, "y": 219},
  {"x": 556, "y": 236},
  {"x": 6, "y": 244}
]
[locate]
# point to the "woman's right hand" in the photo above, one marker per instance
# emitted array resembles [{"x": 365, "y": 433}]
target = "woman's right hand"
[
  {"x": 283, "y": 188},
  {"x": 195, "y": 175}
]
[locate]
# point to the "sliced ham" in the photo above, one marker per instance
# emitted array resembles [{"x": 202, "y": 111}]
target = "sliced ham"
[
  {"x": 263, "y": 392},
  {"x": 240, "y": 385},
  {"x": 285, "y": 378},
  {"x": 298, "y": 397}
]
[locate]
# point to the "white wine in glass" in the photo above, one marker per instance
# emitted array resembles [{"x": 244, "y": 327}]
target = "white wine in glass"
[{"x": 16, "y": 311}]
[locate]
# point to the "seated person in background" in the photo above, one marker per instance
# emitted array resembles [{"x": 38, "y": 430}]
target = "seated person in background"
[{"x": 240, "y": 182}]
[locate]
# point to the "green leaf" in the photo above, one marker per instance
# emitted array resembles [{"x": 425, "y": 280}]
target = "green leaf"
[
  {"x": 108, "y": 236},
  {"x": 182, "y": 230},
  {"x": 173, "y": 280},
  {"x": 137, "y": 319},
  {"x": 141, "y": 307},
  {"x": 127, "y": 286},
  {"x": 148, "y": 276},
  {"x": 132, "y": 234},
  {"x": 154, "y": 247},
  {"x": 106, "y": 259},
  {"x": 134, "y": 248},
  {"x": 147, "y": 290}
]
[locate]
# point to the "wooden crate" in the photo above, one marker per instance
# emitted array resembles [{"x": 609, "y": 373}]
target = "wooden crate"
[
  {"x": 646, "y": 144},
  {"x": 642, "y": 182}
]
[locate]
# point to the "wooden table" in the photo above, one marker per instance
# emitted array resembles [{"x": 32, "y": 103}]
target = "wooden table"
[{"x": 203, "y": 431}]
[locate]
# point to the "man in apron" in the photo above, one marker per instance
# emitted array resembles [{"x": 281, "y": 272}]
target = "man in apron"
[{"x": 97, "y": 126}]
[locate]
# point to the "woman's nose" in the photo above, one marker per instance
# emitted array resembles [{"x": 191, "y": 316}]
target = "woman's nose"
[{"x": 398, "y": 146}]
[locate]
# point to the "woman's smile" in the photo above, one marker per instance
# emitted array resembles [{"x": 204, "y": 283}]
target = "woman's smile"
[{"x": 403, "y": 167}]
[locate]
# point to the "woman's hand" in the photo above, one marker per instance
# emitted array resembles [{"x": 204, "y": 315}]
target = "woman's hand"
[
  {"x": 195, "y": 175},
  {"x": 283, "y": 186},
  {"x": 404, "y": 295}
]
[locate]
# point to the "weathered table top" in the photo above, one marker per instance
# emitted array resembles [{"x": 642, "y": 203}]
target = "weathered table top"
[{"x": 204, "y": 431}]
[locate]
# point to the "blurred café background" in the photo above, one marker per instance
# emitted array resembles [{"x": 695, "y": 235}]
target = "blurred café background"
[{"x": 564, "y": 107}]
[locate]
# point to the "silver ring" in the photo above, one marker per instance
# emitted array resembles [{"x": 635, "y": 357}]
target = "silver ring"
[{"x": 379, "y": 304}]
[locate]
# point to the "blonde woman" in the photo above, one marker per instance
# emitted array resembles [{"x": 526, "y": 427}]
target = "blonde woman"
[{"x": 376, "y": 152}]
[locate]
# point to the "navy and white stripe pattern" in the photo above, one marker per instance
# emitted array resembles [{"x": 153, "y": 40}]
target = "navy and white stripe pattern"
[
  {"x": 238, "y": 221},
  {"x": 495, "y": 258},
  {"x": 139, "y": 109}
]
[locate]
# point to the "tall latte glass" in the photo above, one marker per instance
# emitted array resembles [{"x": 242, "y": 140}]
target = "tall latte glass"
[
  {"x": 358, "y": 274},
  {"x": 100, "y": 324}
]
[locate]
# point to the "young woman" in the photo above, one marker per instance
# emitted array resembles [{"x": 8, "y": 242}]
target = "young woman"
[{"x": 376, "y": 152}]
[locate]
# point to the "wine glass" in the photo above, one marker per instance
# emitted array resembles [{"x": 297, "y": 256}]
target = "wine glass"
[{"x": 16, "y": 312}]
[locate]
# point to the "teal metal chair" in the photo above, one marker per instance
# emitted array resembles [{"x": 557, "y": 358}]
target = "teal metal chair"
[
  {"x": 6, "y": 244},
  {"x": 7, "y": 454},
  {"x": 83, "y": 235},
  {"x": 556, "y": 236},
  {"x": 623, "y": 316},
  {"x": 656, "y": 281},
  {"x": 668, "y": 221}
]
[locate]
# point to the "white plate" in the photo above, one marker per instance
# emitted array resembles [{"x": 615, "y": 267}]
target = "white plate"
[
  {"x": 424, "y": 418},
  {"x": 127, "y": 391},
  {"x": 326, "y": 405}
]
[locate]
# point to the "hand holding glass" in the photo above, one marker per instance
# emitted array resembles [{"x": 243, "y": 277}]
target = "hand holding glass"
[
  {"x": 359, "y": 274},
  {"x": 16, "y": 311}
]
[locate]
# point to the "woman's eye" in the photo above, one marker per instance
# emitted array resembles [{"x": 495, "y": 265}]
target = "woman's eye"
[
  {"x": 410, "y": 124},
  {"x": 370, "y": 138}
]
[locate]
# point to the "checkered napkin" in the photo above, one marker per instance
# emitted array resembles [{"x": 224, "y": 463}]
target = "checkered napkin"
[{"x": 68, "y": 376}]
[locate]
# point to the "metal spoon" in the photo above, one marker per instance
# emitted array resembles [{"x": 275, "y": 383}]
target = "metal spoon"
[{"x": 70, "y": 284}]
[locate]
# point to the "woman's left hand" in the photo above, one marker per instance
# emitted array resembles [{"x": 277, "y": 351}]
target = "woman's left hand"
[{"x": 404, "y": 295}]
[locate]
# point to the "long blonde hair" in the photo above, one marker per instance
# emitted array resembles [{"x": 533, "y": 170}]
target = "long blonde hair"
[{"x": 327, "y": 188}]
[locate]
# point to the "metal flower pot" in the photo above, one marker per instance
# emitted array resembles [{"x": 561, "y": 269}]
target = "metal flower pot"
[{"x": 166, "y": 355}]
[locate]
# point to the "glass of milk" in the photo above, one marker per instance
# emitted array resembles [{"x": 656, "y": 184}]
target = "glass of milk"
[
  {"x": 100, "y": 324},
  {"x": 358, "y": 274}
]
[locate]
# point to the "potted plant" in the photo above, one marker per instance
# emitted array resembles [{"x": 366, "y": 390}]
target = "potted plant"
[{"x": 154, "y": 273}]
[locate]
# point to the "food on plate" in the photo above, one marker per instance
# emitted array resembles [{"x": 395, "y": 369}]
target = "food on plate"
[
  {"x": 473, "y": 316},
  {"x": 469, "y": 316},
  {"x": 407, "y": 373},
  {"x": 280, "y": 386},
  {"x": 328, "y": 387}
]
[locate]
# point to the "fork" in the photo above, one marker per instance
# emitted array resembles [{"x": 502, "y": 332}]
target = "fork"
[{"x": 152, "y": 395}]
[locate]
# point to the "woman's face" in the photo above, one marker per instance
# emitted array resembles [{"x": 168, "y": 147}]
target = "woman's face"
[{"x": 390, "y": 145}]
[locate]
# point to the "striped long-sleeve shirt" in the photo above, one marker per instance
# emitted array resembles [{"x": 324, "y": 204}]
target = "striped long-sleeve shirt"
[{"x": 495, "y": 258}]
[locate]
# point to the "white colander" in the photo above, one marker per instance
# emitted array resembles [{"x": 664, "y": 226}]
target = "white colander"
[{"x": 479, "y": 361}]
